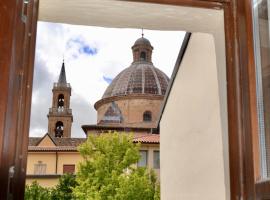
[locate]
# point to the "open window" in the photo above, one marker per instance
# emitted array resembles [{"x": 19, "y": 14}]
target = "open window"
[
  {"x": 59, "y": 129},
  {"x": 17, "y": 77},
  {"x": 61, "y": 102},
  {"x": 143, "y": 56}
]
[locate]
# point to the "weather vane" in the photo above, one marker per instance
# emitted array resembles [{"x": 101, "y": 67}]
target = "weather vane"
[{"x": 142, "y": 32}]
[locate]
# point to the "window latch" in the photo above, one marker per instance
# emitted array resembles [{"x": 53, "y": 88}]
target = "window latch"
[
  {"x": 11, "y": 173},
  {"x": 24, "y": 10}
]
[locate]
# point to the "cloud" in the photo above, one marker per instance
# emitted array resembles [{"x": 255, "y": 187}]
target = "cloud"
[
  {"x": 80, "y": 46},
  {"x": 93, "y": 56}
]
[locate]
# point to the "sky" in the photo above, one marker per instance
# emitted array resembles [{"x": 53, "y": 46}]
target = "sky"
[{"x": 93, "y": 57}]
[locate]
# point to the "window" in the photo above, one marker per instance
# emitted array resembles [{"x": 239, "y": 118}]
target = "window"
[
  {"x": 147, "y": 116},
  {"x": 156, "y": 163},
  {"x": 262, "y": 51},
  {"x": 61, "y": 102},
  {"x": 68, "y": 169},
  {"x": 143, "y": 56},
  {"x": 59, "y": 129},
  {"x": 144, "y": 158},
  {"x": 40, "y": 168}
]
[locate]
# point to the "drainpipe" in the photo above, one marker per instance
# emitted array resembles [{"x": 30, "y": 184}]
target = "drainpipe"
[{"x": 56, "y": 162}]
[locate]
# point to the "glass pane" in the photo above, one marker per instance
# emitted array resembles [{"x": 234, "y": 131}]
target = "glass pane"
[
  {"x": 156, "y": 160},
  {"x": 262, "y": 57},
  {"x": 143, "y": 160}
]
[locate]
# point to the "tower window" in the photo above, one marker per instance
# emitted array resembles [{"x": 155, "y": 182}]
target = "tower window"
[
  {"x": 143, "y": 56},
  {"x": 147, "y": 116},
  {"x": 59, "y": 129},
  {"x": 61, "y": 102}
]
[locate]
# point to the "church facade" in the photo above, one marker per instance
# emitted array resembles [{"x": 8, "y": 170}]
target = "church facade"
[{"x": 131, "y": 104}]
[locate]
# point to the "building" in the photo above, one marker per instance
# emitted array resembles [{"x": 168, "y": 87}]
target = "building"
[
  {"x": 131, "y": 103},
  {"x": 239, "y": 29}
]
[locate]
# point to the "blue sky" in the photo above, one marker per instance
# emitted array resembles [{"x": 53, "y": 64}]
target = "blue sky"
[{"x": 93, "y": 57}]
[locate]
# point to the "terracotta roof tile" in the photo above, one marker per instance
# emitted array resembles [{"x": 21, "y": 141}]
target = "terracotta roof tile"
[
  {"x": 60, "y": 148},
  {"x": 33, "y": 141},
  {"x": 146, "y": 138},
  {"x": 71, "y": 144}
]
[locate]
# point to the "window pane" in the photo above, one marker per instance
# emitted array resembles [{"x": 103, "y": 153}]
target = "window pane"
[
  {"x": 262, "y": 57},
  {"x": 156, "y": 160},
  {"x": 143, "y": 160}
]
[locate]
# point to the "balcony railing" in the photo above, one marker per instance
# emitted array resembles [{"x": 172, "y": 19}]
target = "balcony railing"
[
  {"x": 60, "y": 111},
  {"x": 61, "y": 85}
]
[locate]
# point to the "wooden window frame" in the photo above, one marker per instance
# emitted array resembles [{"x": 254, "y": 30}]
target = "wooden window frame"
[{"x": 17, "y": 61}]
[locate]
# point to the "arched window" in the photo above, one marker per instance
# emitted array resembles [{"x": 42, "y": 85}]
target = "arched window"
[
  {"x": 143, "y": 56},
  {"x": 59, "y": 129},
  {"x": 61, "y": 102},
  {"x": 147, "y": 116}
]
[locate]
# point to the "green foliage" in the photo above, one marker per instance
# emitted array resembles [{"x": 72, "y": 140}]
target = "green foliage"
[
  {"x": 63, "y": 191},
  {"x": 36, "y": 192},
  {"x": 109, "y": 173}
]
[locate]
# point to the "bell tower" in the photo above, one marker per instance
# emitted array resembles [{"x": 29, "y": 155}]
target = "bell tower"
[{"x": 60, "y": 115}]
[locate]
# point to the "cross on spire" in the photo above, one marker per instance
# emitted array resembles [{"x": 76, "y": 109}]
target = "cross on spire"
[{"x": 142, "y": 32}]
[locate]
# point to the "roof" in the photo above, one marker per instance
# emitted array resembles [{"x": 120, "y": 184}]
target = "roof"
[
  {"x": 62, "y": 77},
  {"x": 142, "y": 41},
  {"x": 146, "y": 138},
  {"x": 139, "y": 78},
  {"x": 119, "y": 127},
  {"x": 71, "y": 144},
  {"x": 60, "y": 148},
  {"x": 59, "y": 142}
]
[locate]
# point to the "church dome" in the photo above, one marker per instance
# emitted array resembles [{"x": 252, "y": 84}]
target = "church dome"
[{"x": 139, "y": 78}]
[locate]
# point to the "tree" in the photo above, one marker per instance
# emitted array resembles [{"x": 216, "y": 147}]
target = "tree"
[
  {"x": 63, "y": 190},
  {"x": 36, "y": 192},
  {"x": 109, "y": 170}
]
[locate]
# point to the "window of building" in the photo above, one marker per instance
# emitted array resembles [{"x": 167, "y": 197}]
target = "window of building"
[
  {"x": 68, "y": 169},
  {"x": 147, "y": 116},
  {"x": 40, "y": 168},
  {"x": 143, "y": 56},
  {"x": 156, "y": 163},
  {"x": 144, "y": 158},
  {"x": 262, "y": 50},
  {"x": 61, "y": 102},
  {"x": 59, "y": 129}
]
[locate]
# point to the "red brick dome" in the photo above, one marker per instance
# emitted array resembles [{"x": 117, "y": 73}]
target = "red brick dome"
[{"x": 139, "y": 78}]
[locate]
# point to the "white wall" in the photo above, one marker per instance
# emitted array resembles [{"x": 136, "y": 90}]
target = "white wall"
[{"x": 194, "y": 154}]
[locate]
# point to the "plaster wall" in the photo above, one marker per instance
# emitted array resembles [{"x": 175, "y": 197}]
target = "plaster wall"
[
  {"x": 68, "y": 158},
  {"x": 44, "y": 182},
  {"x": 46, "y": 142},
  {"x": 193, "y": 164},
  {"x": 48, "y": 158}
]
